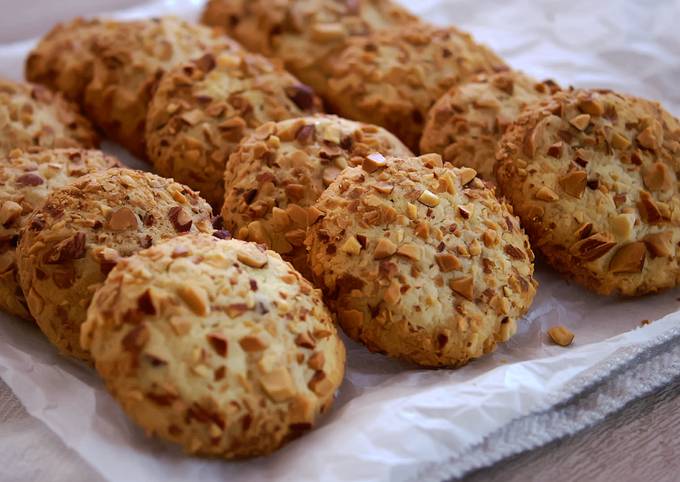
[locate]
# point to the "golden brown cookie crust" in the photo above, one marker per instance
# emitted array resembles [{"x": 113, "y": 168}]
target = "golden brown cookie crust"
[
  {"x": 466, "y": 123},
  {"x": 219, "y": 346},
  {"x": 203, "y": 109},
  {"x": 72, "y": 242},
  {"x": 420, "y": 261},
  {"x": 392, "y": 78},
  {"x": 302, "y": 33},
  {"x": 26, "y": 179},
  {"x": 277, "y": 174},
  {"x": 33, "y": 116},
  {"x": 122, "y": 63},
  {"x": 593, "y": 176}
]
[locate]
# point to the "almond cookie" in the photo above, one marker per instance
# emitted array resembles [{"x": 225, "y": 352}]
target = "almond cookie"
[
  {"x": 122, "y": 63},
  {"x": 594, "y": 177},
  {"x": 26, "y": 178},
  {"x": 465, "y": 125},
  {"x": 70, "y": 244},
  {"x": 31, "y": 115},
  {"x": 392, "y": 78},
  {"x": 203, "y": 109},
  {"x": 62, "y": 60},
  {"x": 217, "y": 345},
  {"x": 278, "y": 173},
  {"x": 302, "y": 33},
  {"x": 420, "y": 261}
]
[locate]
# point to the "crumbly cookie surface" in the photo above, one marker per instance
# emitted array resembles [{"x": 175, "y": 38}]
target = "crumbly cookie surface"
[
  {"x": 26, "y": 179},
  {"x": 274, "y": 178},
  {"x": 392, "y": 78},
  {"x": 466, "y": 123},
  {"x": 71, "y": 243},
  {"x": 217, "y": 345},
  {"x": 203, "y": 109},
  {"x": 62, "y": 59},
  {"x": 594, "y": 177},
  {"x": 122, "y": 64},
  {"x": 421, "y": 261},
  {"x": 33, "y": 116},
  {"x": 302, "y": 33}
]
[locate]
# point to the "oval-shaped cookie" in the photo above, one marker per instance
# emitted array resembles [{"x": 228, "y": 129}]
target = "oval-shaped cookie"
[
  {"x": 302, "y": 33},
  {"x": 26, "y": 179},
  {"x": 420, "y": 261},
  {"x": 32, "y": 116},
  {"x": 594, "y": 177},
  {"x": 393, "y": 77},
  {"x": 216, "y": 345},
  {"x": 122, "y": 63},
  {"x": 278, "y": 173},
  {"x": 466, "y": 123},
  {"x": 71, "y": 243},
  {"x": 203, "y": 109}
]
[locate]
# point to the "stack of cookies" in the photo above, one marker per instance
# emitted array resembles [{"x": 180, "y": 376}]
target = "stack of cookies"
[{"x": 209, "y": 304}]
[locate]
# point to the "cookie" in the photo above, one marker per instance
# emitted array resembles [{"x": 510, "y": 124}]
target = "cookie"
[
  {"x": 203, "y": 109},
  {"x": 277, "y": 174},
  {"x": 122, "y": 63},
  {"x": 302, "y": 33},
  {"x": 62, "y": 59},
  {"x": 392, "y": 78},
  {"x": 594, "y": 177},
  {"x": 420, "y": 261},
  {"x": 32, "y": 116},
  {"x": 466, "y": 123},
  {"x": 217, "y": 345},
  {"x": 26, "y": 178},
  {"x": 70, "y": 244}
]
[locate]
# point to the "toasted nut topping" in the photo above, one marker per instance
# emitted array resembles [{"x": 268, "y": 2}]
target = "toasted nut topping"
[
  {"x": 593, "y": 247},
  {"x": 649, "y": 210},
  {"x": 463, "y": 286},
  {"x": 409, "y": 251},
  {"x": 329, "y": 175},
  {"x": 180, "y": 219},
  {"x": 660, "y": 245},
  {"x": 546, "y": 194},
  {"x": 658, "y": 177},
  {"x": 351, "y": 246},
  {"x": 122, "y": 219},
  {"x": 196, "y": 298},
  {"x": 412, "y": 211},
  {"x": 278, "y": 384},
  {"x": 252, "y": 256},
  {"x": 316, "y": 361},
  {"x": 508, "y": 329},
  {"x": 560, "y": 335},
  {"x": 305, "y": 341},
  {"x": 592, "y": 107},
  {"x": 384, "y": 248},
  {"x": 490, "y": 238},
  {"x": 574, "y": 183},
  {"x": 313, "y": 214},
  {"x": 9, "y": 212},
  {"x": 622, "y": 226},
  {"x": 393, "y": 293},
  {"x": 580, "y": 121},
  {"x": 629, "y": 259},
  {"x": 466, "y": 175},
  {"x": 647, "y": 138},
  {"x": 219, "y": 343},
  {"x": 447, "y": 262},
  {"x": 252, "y": 343},
  {"x": 320, "y": 384},
  {"x": 326, "y": 32},
  {"x": 429, "y": 199},
  {"x": 373, "y": 162},
  {"x": 619, "y": 141},
  {"x": 556, "y": 149}
]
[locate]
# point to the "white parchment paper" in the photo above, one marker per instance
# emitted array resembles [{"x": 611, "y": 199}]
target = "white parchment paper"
[{"x": 392, "y": 421}]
